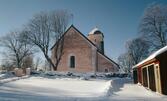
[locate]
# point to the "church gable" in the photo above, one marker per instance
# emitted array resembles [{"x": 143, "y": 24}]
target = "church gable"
[
  {"x": 72, "y": 34},
  {"x": 81, "y": 55},
  {"x": 77, "y": 52},
  {"x": 74, "y": 39}
]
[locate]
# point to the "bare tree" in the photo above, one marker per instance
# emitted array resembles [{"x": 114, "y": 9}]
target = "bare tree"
[
  {"x": 16, "y": 50},
  {"x": 45, "y": 27},
  {"x": 7, "y": 65},
  {"x": 137, "y": 50},
  {"x": 59, "y": 22},
  {"x": 124, "y": 61},
  {"x": 27, "y": 62},
  {"x": 153, "y": 26},
  {"x": 46, "y": 66},
  {"x": 37, "y": 62}
]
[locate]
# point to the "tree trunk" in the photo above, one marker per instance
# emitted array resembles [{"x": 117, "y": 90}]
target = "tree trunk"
[{"x": 50, "y": 61}]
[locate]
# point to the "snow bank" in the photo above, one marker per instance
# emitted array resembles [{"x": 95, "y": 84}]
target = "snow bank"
[
  {"x": 9, "y": 76},
  {"x": 82, "y": 76},
  {"x": 6, "y": 75},
  {"x": 6, "y": 80}
]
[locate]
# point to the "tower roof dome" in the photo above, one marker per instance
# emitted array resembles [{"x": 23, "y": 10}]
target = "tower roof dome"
[{"x": 95, "y": 31}]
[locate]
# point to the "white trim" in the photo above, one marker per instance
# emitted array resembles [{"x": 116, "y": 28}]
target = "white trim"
[
  {"x": 157, "y": 78},
  {"x": 148, "y": 80}
]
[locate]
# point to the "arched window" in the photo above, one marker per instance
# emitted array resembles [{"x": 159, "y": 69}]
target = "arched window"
[
  {"x": 106, "y": 70},
  {"x": 72, "y": 61}
]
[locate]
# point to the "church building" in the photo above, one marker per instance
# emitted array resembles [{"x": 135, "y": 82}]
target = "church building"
[{"x": 83, "y": 54}]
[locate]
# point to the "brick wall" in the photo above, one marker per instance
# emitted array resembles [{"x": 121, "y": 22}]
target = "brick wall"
[
  {"x": 75, "y": 45},
  {"x": 104, "y": 63},
  {"x": 96, "y": 39},
  {"x": 86, "y": 55}
]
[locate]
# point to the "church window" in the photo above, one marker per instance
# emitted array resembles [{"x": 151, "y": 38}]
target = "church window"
[
  {"x": 102, "y": 46},
  {"x": 72, "y": 61},
  {"x": 106, "y": 70}
]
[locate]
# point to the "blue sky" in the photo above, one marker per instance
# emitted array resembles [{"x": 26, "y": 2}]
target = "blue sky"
[{"x": 117, "y": 19}]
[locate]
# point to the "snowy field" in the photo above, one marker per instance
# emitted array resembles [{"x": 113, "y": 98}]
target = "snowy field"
[{"x": 74, "y": 89}]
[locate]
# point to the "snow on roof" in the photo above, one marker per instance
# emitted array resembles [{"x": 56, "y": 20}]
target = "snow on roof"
[
  {"x": 94, "y": 30},
  {"x": 152, "y": 56}
]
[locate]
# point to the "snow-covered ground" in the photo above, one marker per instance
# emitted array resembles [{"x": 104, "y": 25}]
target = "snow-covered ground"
[
  {"x": 8, "y": 77},
  {"x": 75, "y": 89},
  {"x": 125, "y": 90},
  {"x": 4, "y": 75}
]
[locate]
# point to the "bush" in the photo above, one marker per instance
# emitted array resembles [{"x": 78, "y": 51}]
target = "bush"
[{"x": 70, "y": 74}]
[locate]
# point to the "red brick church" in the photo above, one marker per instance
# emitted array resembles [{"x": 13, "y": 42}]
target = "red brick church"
[{"x": 84, "y": 54}]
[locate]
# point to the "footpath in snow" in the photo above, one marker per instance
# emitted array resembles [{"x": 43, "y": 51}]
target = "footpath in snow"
[{"x": 125, "y": 90}]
